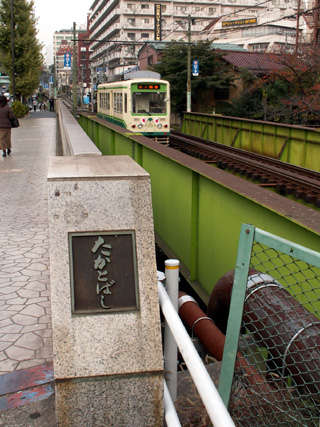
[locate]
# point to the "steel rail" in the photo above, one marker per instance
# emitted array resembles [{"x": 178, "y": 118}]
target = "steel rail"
[{"x": 288, "y": 179}]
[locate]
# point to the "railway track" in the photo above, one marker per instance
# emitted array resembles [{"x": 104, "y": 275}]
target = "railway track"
[{"x": 287, "y": 179}]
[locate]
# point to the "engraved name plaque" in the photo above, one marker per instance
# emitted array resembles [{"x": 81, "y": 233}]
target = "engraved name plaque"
[{"x": 103, "y": 270}]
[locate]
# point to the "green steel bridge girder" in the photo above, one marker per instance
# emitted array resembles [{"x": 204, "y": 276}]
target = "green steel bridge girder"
[
  {"x": 292, "y": 144},
  {"x": 198, "y": 209}
]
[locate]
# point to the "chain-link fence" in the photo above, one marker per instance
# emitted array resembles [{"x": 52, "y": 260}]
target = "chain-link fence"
[{"x": 273, "y": 334}]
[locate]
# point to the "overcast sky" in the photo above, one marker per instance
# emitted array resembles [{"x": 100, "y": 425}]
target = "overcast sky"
[{"x": 57, "y": 15}]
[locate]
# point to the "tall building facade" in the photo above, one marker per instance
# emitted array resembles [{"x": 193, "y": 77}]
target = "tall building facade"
[
  {"x": 119, "y": 28},
  {"x": 62, "y": 45}
]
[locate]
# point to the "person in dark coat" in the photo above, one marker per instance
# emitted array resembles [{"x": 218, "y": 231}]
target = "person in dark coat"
[
  {"x": 51, "y": 102},
  {"x": 6, "y": 114}
]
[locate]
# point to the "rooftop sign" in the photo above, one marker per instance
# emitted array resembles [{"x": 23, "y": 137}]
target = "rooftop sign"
[{"x": 246, "y": 21}]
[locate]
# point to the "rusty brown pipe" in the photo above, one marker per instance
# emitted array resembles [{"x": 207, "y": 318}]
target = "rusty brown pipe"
[
  {"x": 213, "y": 340},
  {"x": 289, "y": 332}
]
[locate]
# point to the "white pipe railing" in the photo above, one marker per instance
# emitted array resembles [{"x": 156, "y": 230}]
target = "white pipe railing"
[
  {"x": 170, "y": 346},
  {"x": 211, "y": 399},
  {"x": 170, "y": 412}
]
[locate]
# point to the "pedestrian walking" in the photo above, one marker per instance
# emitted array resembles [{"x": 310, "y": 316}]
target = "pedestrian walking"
[
  {"x": 6, "y": 114},
  {"x": 35, "y": 103},
  {"x": 51, "y": 102}
]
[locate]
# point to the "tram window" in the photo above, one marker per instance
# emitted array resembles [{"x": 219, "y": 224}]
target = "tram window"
[
  {"x": 125, "y": 102},
  {"x": 149, "y": 103},
  {"x": 115, "y": 102},
  {"x": 108, "y": 101},
  {"x": 120, "y": 102}
]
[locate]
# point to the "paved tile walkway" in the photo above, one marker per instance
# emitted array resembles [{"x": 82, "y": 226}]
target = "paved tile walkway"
[{"x": 25, "y": 318}]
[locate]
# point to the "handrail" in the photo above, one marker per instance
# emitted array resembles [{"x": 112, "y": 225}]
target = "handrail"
[
  {"x": 170, "y": 412},
  {"x": 211, "y": 399}
]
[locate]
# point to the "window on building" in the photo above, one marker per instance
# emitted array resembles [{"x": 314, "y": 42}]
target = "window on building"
[
  {"x": 150, "y": 60},
  {"x": 144, "y": 6},
  {"x": 145, "y": 21},
  {"x": 132, "y": 36},
  {"x": 130, "y": 6},
  {"x": 259, "y": 47},
  {"x": 131, "y": 21},
  {"x": 212, "y": 11},
  {"x": 144, "y": 35},
  {"x": 83, "y": 57}
]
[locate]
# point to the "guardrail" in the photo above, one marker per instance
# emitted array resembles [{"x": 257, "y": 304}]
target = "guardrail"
[
  {"x": 207, "y": 390},
  {"x": 75, "y": 142}
]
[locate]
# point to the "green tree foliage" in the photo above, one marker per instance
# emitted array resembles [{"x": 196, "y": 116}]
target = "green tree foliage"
[
  {"x": 214, "y": 74},
  {"x": 27, "y": 49},
  {"x": 290, "y": 93}
]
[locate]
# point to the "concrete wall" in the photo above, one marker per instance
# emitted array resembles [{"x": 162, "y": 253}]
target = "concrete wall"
[{"x": 75, "y": 142}]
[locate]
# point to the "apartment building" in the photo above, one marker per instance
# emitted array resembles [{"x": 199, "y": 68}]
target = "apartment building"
[
  {"x": 119, "y": 28},
  {"x": 61, "y": 37},
  {"x": 62, "y": 44},
  {"x": 272, "y": 29}
]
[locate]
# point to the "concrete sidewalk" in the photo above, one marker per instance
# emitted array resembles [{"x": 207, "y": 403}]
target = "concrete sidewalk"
[
  {"x": 25, "y": 317},
  {"x": 25, "y": 321}
]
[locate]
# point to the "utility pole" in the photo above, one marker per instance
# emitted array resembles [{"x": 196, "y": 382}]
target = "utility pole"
[
  {"x": 92, "y": 90},
  {"x": 55, "y": 77},
  {"x": 189, "y": 67},
  {"x": 316, "y": 23},
  {"x": 74, "y": 73},
  {"x": 12, "y": 50},
  {"x": 297, "y": 27}
]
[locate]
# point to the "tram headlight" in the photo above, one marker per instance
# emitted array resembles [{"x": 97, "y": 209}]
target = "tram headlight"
[
  {"x": 140, "y": 126},
  {"x": 159, "y": 125}
]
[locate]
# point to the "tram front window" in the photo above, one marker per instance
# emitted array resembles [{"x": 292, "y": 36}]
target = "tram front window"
[{"x": 148, "y": 103}]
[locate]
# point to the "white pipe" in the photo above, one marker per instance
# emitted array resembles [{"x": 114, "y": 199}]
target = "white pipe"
[
  {"x": 170, "y": 346},
  {"x": 211, "y": 399},
  {"x": 170, "y": 412}
]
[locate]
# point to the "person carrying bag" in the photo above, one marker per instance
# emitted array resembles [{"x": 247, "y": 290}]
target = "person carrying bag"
[
  {"x": 6, "y": 115},
  {"x": 15, "y": 122}
]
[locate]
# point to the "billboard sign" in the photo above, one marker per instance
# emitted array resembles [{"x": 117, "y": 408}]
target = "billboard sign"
[
  {"x": 157, "y": 22},
  {"x": 195, "y": 67},
  {"x": 247, "y": 21},
  {"x": 67, "y": 60}
]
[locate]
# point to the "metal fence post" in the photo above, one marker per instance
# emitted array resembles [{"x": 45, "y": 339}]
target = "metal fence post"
[{"x": 170, "y": 346}]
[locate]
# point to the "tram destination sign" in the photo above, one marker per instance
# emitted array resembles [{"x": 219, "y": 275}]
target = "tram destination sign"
[{"x": 103, "y": 268}]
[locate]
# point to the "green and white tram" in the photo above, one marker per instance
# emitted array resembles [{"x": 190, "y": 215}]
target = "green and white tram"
[{"x": 139, "y": 105}]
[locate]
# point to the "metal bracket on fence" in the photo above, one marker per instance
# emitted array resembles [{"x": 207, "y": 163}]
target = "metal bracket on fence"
[
  {"x": 284, "y": 363},
  {"x": 198, "y": 320}
]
